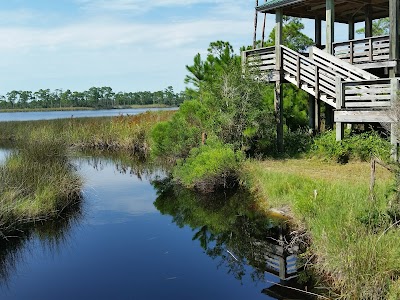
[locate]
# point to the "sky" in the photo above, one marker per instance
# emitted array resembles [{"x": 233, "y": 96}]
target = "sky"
[{"x": 128, "y": 45}]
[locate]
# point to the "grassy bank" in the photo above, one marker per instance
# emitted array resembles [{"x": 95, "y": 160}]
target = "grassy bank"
[
  {"x": 125, "y": 133},
  {"x": 353, "y": 243},
  {"x": 36, "y": 183}
]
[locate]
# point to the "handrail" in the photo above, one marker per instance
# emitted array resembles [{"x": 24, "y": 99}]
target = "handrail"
[
  {"x": 367, "y": 50},
  {"x": 374, "y": 93}
]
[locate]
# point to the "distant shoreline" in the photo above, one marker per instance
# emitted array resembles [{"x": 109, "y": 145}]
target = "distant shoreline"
[{"x": 82, "y": 108}]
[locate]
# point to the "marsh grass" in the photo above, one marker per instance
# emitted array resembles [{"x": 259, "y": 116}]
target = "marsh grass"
[
  {"x": 121, "y": 133},
  {"x": 353, "y": 242},
  {"x": 37, "y": 182}
]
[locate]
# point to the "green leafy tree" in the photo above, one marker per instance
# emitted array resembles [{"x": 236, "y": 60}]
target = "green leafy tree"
[
  {"x": 379, "y": 27},
  {"x": 292, "y": 37}
]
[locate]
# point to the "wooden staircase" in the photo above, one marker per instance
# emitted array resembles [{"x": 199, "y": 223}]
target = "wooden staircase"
[{"x": 357, "y": 95}]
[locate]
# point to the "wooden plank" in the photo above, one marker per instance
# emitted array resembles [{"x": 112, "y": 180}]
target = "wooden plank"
[
  {"x": 344, "y": 65},
  {"x": 359, "y": 116},
  {"x": 367, "y": 104}
]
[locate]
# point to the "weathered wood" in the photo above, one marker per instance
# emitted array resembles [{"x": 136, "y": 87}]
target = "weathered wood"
[
  {"x": 394, "y": 17},
  {"x": 330, "y": 25},
  {"x": 368, "y": 20},
  {"x": 255, "y": 27},
  {"x": 341, "y": 66},
  {"x": 278, "y": 94},
  {"x": 318, "y": 32},
  {"x": 351, "y": 30},
  {"x": 394, "y": 140},
  {"x": 263, "y": 30},
  {"x": 362, "y": 116},
  {"x": 339, "y": 131}
]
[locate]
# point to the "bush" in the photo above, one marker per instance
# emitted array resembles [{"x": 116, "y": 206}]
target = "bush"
[
  {"x": 175, "y": 138},
  {"x": 360, "y": 147},
  {"x": 209, "y": 167}
]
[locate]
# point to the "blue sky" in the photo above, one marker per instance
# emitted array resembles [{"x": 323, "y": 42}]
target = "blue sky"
[{"x": 129, "y": 45}]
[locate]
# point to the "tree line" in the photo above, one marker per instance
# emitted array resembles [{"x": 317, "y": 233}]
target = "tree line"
[{"x": 95, "y": 97}]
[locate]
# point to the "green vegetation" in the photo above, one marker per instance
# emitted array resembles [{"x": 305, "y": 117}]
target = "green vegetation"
[
  {"x": 127, "y": 133},
  {"x": 353, "y": 241},
  {"x": 95, "y": 97},
  {"x": 36, "y": 182},
  {"x": 209, "y": 166},
  {"x": 353, "y": 147}
]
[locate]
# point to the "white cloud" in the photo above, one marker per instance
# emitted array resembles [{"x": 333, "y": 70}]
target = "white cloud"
[{"x": 140, "y": 5}]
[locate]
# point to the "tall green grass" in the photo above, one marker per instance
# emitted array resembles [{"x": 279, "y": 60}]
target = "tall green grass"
[
  {"x": 129, "y": 133},
  {"x": 354, "y": 245},
  {"x": 37, "y": 182}
]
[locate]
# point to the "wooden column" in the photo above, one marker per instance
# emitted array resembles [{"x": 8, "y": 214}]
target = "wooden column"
[
  {"x": 330, "y": 25},
  {"x": 330, "y": 37},
  {"x": 394, "y": 52},
  {"x": 318, "y": 32},
  {"x": 339, "y": 101},
  {"x": 255, "y": 27},
  {"x": 368, "y": 20},
  {"x": 278, "y": 95},
  {"x": 351, "y": 30},
  {"x": 263, "y": 30}
]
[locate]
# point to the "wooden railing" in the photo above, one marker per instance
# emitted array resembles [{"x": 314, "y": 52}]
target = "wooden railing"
[
  {"x": 264, "y": 59},
  {"x": 328, "y": 78},
  {"x": 373, "y": 49},
  {"x": 377, "y": 93}
]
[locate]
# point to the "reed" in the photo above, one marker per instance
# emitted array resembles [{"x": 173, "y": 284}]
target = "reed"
[
  {"x": 37, "y": 182},
  {"x": 121, "y": 133}
]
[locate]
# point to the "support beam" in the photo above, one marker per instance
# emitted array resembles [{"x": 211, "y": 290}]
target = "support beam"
[
  {"x": 255, "y": 27},
  {"x": 368, "y": 20},
  {"x": 330, "y": 25},
  {"x": 318, "y": 32},
  {"x": 278, "y": 95},
  {"x": 328, "y": 117},
  {"x": 394, "y": 141},
  {"x": 394, "y": 52},
  {"x": 351, "y": 30},
  {"x": 339, "y": 105},
  {"x": 263, "y": 30}
]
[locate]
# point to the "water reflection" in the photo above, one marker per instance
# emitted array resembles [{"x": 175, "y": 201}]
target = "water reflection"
[
  {"x": 51, "y": 236},
  {"x": 115, "y": 244},
  {"x": 232, "y": 232}
]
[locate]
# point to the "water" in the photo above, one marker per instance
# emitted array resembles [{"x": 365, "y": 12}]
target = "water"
[
  {"x": 46, "y": 115},
  {"x": 136, "y": 236}
]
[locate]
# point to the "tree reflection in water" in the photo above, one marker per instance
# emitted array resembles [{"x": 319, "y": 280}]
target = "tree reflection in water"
[
  {"x": 52, "y": 235},
  {"x": 226, "y": 225}
]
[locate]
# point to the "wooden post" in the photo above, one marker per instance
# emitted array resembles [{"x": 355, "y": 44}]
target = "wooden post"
[
  {"x": 255, "y": 27},
  {"x": 330, "y": 25},
  {"x": 263, "y": 30},
  {"x": 394, "y": 52},
  {"x": 339, "y": 104},
  {"x": 351, "y": 30},
  {"x": 393, "y": 141},
  {"x": 368, "y": 20},
  {"x": 313, "y": 101},
  {"x": 395, "y": 123},
  {"x": 318, "y": 32},
  {"x": 278, "y": 95}
]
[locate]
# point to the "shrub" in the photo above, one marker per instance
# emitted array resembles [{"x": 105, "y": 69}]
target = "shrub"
[
  {"x": 209, "y": 167},
  {"x": 175, "y": 138},
  {"x": 359, "y": 146}
]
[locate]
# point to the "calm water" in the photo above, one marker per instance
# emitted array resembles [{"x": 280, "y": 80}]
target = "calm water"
[
  {"x": 135, "y": 236},
  {"x": 31, "y": 116}
]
